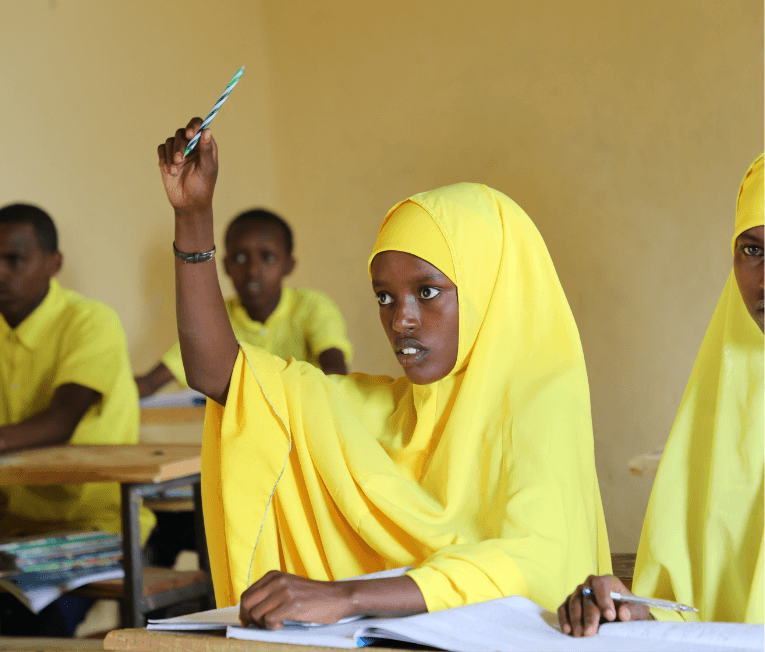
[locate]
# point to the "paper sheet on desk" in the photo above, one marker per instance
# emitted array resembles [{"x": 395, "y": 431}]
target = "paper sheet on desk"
[
  {"x": 516, "y": 623},
  {"x": 186, "y": 398},
  {"x": 217, "y": 619}
]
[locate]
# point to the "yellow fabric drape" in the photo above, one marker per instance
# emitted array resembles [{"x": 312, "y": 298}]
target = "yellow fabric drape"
[
  {"x": 702, "y": 539},
  {"x": 483, "y": 481},
  {"x": 409, "y": 228},
  {"x": 749, "y": 204}
]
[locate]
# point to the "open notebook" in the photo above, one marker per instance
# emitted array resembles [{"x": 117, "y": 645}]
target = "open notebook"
[{"x": 512, "y": 623}]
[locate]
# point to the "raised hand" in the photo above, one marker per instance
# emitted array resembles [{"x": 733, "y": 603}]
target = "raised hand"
[
  {"x": 208, "y": 345},
  {"x": 189, "y": 182},
  {"x": 581, "y": 615}
]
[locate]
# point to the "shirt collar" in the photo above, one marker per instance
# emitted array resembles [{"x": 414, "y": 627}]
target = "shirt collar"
[
  {"x": 239, "y": 314},
  {"x": 32, "y": 330}
]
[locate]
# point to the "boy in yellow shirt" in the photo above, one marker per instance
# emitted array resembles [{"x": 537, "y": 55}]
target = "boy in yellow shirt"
[
  {"x": 299, "y": 323},
  {"x": 65, "y": 378}
]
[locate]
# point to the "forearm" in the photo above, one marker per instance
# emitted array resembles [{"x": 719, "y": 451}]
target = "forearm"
[
  {"x": 154, "y": 380},
  {"x": 390, "y": 597},
  {"x": 44, "y": 429},
  {"x": 208, "y": 345}
]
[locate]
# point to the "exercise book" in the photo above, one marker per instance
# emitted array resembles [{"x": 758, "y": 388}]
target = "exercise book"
[{"x": 507, "y": 624}]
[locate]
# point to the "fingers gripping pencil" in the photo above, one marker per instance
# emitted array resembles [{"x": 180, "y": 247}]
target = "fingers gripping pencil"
[{"x": 193, "y": 142}]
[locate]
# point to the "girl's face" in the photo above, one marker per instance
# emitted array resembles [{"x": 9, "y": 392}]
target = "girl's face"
[
  {"x": 419, "y": 311},
  {"x": 747, "y": 264}
]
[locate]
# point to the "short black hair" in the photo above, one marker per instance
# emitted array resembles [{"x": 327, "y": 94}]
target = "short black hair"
[
  {"x": 262, "y": 215},
  {"x": 45, "y": 229}
]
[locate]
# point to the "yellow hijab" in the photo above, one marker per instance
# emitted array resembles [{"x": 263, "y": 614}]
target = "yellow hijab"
[
  {"x": 702, "y": 539},
  {"x": 483, "y": 481}
]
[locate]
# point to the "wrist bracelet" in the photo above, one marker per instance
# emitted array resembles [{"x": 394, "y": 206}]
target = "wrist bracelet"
[{"x": 199, "y": 257}]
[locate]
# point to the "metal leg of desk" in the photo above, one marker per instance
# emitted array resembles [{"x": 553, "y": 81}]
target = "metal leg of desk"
[
  {"x": 131, "y": 606},
  {"x": 134, "y": 604},
  {"x": 199, "y": 530}
]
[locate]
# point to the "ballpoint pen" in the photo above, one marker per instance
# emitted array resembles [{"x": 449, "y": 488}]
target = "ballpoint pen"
[{"x": 648, "y": 602}]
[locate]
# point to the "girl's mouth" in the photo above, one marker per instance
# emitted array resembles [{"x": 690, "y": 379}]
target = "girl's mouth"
[{"x": 410, "y": 353}]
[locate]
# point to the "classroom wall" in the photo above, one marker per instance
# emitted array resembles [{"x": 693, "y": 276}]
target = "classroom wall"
[{"x": 622, "y": 128}]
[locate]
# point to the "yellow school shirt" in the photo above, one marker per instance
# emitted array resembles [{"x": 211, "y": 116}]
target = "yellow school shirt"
[
  {"x": 69, "y": 339},
  {"x": 304, "y": 324}
]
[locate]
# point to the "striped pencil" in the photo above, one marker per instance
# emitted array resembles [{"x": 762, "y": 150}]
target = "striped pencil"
[{"x": 193, "y": 142}]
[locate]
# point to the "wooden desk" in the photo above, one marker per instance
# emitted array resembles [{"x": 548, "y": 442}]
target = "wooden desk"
[
  {"x": 17, "y": 643},
  {"x": 155, "y": 641},
  {"x": 173, "y": 414},
  {"x": 141, "y": 463},
  {"x": 140, "y": 469}
]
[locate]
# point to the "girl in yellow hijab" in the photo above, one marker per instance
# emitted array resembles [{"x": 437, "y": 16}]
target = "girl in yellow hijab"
[
  {"x": 476, "y": 468},
  {"x": 702, "y": 539}
]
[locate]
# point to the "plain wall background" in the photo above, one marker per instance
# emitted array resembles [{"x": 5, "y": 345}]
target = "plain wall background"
[{"x": 623, "y": 128}]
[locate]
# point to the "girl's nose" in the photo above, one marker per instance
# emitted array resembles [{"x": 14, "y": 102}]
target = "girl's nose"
[{"x": 407, "y": 316}]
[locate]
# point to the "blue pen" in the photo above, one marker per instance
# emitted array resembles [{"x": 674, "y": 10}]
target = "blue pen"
[
  {"x": 364, "y": 641},
  {"x": 648, "y": 602}
]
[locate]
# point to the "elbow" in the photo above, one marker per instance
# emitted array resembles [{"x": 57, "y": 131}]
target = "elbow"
[
  {"x": 197, "y": 384},
  {"x": 216, "y": 391}
]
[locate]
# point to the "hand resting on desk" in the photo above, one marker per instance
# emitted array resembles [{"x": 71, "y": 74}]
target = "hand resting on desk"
[
  {"x": 279, "y": 596},
  {"x": 581, "y": 615}
]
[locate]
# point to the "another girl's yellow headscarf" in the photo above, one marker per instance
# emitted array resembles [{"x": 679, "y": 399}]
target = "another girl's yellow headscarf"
[
  {"x": 702, "y": 540},
  {"x": 484, "y": 481}
]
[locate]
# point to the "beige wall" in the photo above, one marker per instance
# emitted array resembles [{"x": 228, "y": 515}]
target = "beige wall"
[{"x": 623, "y": 128}]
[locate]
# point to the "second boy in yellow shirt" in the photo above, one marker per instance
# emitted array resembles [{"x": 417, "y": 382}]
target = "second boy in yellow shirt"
[{"x": 300, "y": 323}]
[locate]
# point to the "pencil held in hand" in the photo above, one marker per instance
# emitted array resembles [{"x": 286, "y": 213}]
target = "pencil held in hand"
[{"x": 193, "y": 142}]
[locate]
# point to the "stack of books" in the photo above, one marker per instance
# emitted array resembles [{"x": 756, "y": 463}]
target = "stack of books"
[{"x": 39, "y": 569}]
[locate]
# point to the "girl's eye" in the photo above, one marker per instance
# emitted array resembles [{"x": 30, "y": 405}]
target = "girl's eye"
[
  {"x": 752, "y": 250},
  {"x": 383, "y": 298},
  {"x": 240, "y": 259},
  {"x": 269, "y": 258},
  {"x": 429, "y": 293}
]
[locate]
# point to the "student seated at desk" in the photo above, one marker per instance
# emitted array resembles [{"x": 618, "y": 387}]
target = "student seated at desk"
[
  {"x": 65, "y": 378},
  {"x": 297, "y": 323},
  {"x": 476, "y": 467},
  {"x": 702, "y": 539}
]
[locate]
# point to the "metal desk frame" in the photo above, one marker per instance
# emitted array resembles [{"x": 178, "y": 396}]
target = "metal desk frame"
[{"x": 134, "y": 604}]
